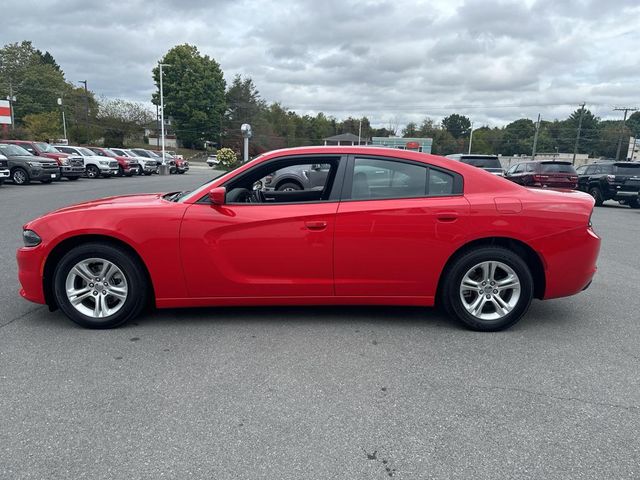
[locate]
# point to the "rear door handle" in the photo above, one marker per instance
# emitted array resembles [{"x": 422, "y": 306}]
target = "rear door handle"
[
  {"x": 447, "y": 216},
  {"x": 316, "y": 225}
]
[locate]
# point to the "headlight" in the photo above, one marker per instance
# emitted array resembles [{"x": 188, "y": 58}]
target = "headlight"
[
  {"x": 34, "y": 164},
  {"x": 31, "y": 238},
  {"x": 64, "y": 161},
  {"x": 103, "y": 162},
  {"x": 127, "y": 163}
]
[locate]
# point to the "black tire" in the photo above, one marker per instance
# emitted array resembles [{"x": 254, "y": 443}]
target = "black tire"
[
  {"x": 451, "y": 296},
  {"x": 72, "y": 179},
  {"x": 148, "y": 173},
  {"x": 596, "y": 193},
  {"x": 180, "y": 172},
  {"x": 634, "y": 203},
  {"x": 288, "y": 187},
  {"x": 136, "y": 279},
  {"x": 19, "y": 176},
  {"x": 46, "y": 180},
  {"x": 92, "y": 171}
]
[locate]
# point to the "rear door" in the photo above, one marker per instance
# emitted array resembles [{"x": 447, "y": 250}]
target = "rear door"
[
  {"x": 395, "y": 227},
  {"x": 627, "y": 175}
]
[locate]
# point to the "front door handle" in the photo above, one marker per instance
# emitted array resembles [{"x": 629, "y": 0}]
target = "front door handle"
[{"x": 316, "y": 225}]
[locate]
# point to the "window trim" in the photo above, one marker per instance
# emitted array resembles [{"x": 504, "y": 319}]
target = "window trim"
[{"x": 347, "y": 184}]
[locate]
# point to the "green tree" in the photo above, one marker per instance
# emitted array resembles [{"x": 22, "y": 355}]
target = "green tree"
[
  {"x": 44, "y": 126},
  {"x": 410, "y": 130},
  {"x": 517, "y": 138},
  {"x": 121, "y": 119},
  {"x": 194, "y": 94},
  {"x": 244, "y": 105},
  {"x": 457, "y": 125}
]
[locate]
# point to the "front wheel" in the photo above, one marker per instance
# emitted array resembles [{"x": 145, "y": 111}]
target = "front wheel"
[
  {"x": 488, "y": 289},
  {"x": 98, "y": 285},
  {"x": 92, "y": 171},
  {"x": 20, "y": 176}
]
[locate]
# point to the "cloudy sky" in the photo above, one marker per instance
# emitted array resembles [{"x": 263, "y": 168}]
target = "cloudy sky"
[{"x": 394, "y": 61}]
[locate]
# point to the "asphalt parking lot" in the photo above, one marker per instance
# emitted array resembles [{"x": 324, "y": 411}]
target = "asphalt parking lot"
[{"x": 296, "y": 393}]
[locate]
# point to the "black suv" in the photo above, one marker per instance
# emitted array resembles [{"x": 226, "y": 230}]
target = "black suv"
[{"x": 611, "y": 181}]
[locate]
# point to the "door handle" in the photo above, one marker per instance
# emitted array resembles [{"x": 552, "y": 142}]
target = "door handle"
[
  {"x": 447, "y": 216},
  {"x": 316, "y": 225}
]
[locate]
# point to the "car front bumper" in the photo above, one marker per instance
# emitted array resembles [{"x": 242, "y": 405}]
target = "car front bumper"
[
  {"x": 68, "y": 171},
  {"x": 30, "y": 271},
  {"x": 4, "y": 174},
  {"x": 44, "y": 173}
]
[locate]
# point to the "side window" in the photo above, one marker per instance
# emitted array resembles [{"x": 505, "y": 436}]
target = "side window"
[
  {"x": 590, "y": 170},
  {"x": 512, "y": 169},
  {"x": 64, "y": 150},
  {"x": 379, "y": 179},
  {"x": 29, "y": 148},
  {"x": 530, "y": 167},
  {"x": 519, "y": 168},
  {"x": 440, "y": 183}
]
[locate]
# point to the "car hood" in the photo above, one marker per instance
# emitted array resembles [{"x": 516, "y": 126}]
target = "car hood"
[
  {"x": 121, "y": 200},
  {"x": 32, "y": 158}
]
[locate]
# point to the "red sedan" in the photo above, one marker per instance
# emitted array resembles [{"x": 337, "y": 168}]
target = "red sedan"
[{"x": 384, "y": 227}]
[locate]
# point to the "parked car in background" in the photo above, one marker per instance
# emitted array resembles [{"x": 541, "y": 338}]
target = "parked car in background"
[
  {"x": 618, "y": 181},
  {"x": 212, "y": 160},
  {"x": 544, "y": 174},
  {"x": 441, "y": 232},
  {"x": 126, "y": 166},
  {"x": 71, "y": 167},
  {"x": 182, "y": 166},
  {"x": 25, "y": 167},
  {"x": 5, "y": 173},
  {"x": 143, "y": 152},
  {"x": 490, "y": 163},
  {"x": 175, "y": 155},
  {"x": 95, "y": 165},
  {"x": 298, "y": 177},
  {"x": 148, "y": 165}
]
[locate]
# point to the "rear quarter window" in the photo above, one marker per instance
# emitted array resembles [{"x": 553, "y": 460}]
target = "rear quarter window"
[
  {"x": 627, "y": 170},
  {"x": 557, "y": 168}
]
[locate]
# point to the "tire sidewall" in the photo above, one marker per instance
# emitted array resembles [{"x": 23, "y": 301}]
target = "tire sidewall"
[
  {"x": 451, "y": 291},
  {"x": 130, "y": 267},
  {"x": 597, "y": 195},
  {"x": 283, "y": 186},
  {"x": 20, "y": 171},
  {"x": 93, "y": 171}
]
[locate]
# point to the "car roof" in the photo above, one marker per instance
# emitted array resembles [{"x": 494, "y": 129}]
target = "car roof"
[{"x": 551, "y": 162}]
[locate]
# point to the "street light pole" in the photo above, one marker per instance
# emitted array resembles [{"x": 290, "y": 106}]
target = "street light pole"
[
  {"x": 470, "y": 139},
  {"x": 86, "y": 108},
  {"x": 160, "y": 65},
  {"x": 64, "y": 122}
]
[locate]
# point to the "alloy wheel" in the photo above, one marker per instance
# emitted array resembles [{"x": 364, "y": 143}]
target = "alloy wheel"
[
  {"x": 96, "y": 287},
  {"x": 19, "y": 177},
  {"x": 490, "y": 290}
]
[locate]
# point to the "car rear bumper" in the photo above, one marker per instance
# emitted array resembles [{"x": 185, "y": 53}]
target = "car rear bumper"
[
  {"x": 30, "y": 270},
  {"x": 552, "y": 184},
  {"x": 569, "y": 260}
]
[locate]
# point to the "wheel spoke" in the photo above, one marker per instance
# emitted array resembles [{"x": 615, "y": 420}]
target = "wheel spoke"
[
  {"x": 470, "y": 284},
  {"x": 78, "y": 296},
  {"x": 476, "y": 307},
  {"x": 117, "y": 292},
  {"x": 492, "y": 271},
  {"x": 83, "y": 271},
  {"x": 508, "y": 283},
  {"x": 106, "y": 270},
  {"x": 502, "y": 308}
]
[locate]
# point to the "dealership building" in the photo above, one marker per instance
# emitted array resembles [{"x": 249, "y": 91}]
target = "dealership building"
[{"x": 415, "y": 144}]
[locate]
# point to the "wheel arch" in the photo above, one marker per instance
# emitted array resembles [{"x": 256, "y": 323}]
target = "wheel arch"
[
  {"x": 67, "y": 245},
  {"x": 524, "y": 251}
]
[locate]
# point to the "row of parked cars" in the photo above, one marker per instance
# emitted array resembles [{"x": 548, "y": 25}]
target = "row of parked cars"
[
  {"x": 24, "y": 161},
  {"x": 603, "y": 180}
]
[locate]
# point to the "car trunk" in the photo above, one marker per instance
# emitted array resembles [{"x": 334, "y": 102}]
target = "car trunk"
[{"x": 556, "y": 174}]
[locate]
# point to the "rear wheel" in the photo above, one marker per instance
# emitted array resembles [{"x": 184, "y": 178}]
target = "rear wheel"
[
  {"x": 596, "y": 193},
  {"x": 488, "y": 289},
  {"x": 19, "y": 176},
  {"x": 98, "y": 285},
  {"x": 93, "y": 171},
  {"x": 634, "y": 203}
]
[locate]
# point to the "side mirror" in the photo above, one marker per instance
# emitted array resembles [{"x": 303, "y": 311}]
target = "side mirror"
[{"x": 217, "y": 195}]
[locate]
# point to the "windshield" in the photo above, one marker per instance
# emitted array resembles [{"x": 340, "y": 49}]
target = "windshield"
[
  {"x": 555, "y": 167},
  {"x": 627, "y": 169},
  {"x": 108, "y": 152},
  {"x": 13, "y": 150},
  {"x": 45, "y": 147},
  {"x": 482, "y": 162},
  {"x": 86, "y": 152}
]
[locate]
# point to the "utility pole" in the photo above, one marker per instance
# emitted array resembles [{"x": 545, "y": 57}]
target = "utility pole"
[
  {"x": 575, "y": 146},
  {"x": 157, "y": 126},
  {"x": 64, "y": 122},
  {"x": 624, "y": 121},
  {"x": 535, "y": 140},
  {"x": 359, "y": 132},
  {"x": 86, "y": 109},
  {"x": 470, "y": 139}
]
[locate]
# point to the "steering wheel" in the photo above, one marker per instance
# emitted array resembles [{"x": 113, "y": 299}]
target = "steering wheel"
[
  {"x": 239, "y": 195},
  {"x": 259, "y": 196}
]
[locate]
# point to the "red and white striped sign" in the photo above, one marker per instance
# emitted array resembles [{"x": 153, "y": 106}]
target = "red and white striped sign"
[{"x": 5, "y": 112}]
